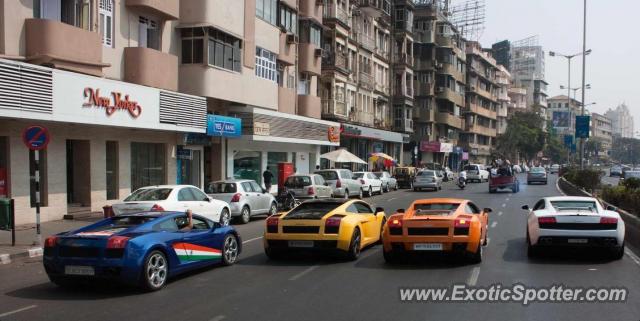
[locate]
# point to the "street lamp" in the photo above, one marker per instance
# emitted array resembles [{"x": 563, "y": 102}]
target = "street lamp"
[{"x": 588, "y": 86}]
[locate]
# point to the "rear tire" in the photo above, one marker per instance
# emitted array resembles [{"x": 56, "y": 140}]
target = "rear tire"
[
  {"x": 361, "y": 195},
  {"x": 370, "y": 192},
  {"x": 384, "y": 221},
  {"x": 245, "y": 215},
  {"x": 532, "y": 252},
  {"x": 354, "y": 246}
]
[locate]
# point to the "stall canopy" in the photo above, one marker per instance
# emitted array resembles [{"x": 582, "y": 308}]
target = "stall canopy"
[
  {"x": 342, "y": 156},
  {"x": 382, "y": 159}
]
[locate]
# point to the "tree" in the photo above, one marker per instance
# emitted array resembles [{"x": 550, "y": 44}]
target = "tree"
[
  {"x": 524, "y": 136},
  {"x": 626, "y": 150},
  {"x": 555, "y": 150}
]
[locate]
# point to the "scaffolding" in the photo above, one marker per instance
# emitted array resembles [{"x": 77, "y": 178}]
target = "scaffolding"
[
  {"x": 468, "y": 17},
  {"x": 527, "y": 59}
]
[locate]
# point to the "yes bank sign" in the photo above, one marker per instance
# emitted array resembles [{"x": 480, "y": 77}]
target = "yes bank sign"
[{"x": 222, "y": 126}]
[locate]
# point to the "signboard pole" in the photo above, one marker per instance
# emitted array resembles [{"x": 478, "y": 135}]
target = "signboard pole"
[{"x": 36, "y": 154}]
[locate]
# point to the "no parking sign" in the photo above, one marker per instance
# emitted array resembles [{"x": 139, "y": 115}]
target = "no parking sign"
[{"x": 36, "y": 137}]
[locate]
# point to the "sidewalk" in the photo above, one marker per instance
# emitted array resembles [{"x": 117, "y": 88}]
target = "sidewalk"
[{"x": 26, "y": 237}]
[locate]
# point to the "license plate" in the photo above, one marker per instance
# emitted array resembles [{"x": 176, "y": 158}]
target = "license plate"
[
  {"x": 300, "y": 243},
  {"x": 427, "y": 247},
  {"x": 578, "y": 241},
  {"x": 78, "y": 270}
]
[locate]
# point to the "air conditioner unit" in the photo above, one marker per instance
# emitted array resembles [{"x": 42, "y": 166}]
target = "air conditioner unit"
[
  {"x": 317, "y": 52},
  {"x": 291, "y": 38}
]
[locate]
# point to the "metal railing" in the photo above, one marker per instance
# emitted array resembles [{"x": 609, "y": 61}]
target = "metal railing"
[
  {"x": 334, "y": 107},
  {"x": 365, "y": 80},
  {"x": 335, "y": 12},
  {"x": 366, "y": 41}
]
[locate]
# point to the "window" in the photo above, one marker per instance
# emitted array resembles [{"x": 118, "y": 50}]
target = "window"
[
  {"x": 319, "y": 180},
  {"x": 198, "y": 194},
  {"x": 472, "y": 208},
  {"x": 363, "y": 208},
  {"x": 539, "y": 205},
  {"x": 304, "y": 84},
  {"x": 44, "y": 199},
  {"x": 246, "y": 165},
  {"x": 185, "y": 195},
  {"x": 77, "y": 13},
  {"x": 112, "y": 170},
  {"x": 148, "y": 33},
  {"x": 148, "y": 165},
  {"x": 224, "y": 51},
  {"x": 310, "y": 33},
  {"x": 256, "y": 187},
  {"x": 315, "y": 36},
  {"x": 192, "y": 45},
  {"x": 199, "y": 223},
  {"x": 105, "y": 11},
  {"x": 267, "y": 10},
  {"x": 168, "y": 225},
  {"x": 288, "y": 19},
  {"x": 4, "y": 166},
  {"x": 266, "y": 64},
  {"x": 247, "y": 187},
  {"x": 273, "y": 158}
]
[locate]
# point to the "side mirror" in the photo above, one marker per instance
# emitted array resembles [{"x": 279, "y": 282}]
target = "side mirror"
[
  {"x": 208, "y": 199},
  {"x": 400, "y": 210},
  {"x": 326, "y": 184},
  {"x": 612, "y": 208},
  {"x": 264, "y": 191},
  {"x": 525, "y": 207},
  {"x": 487, "y": 210},
  {"x": 379, "y": 209}
]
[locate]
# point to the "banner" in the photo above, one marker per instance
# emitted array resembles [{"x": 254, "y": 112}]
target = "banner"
[{"x": 561, "y": 119}]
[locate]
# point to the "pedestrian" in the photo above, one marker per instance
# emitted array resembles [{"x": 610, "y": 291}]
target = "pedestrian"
[{"x": 267, "y": 176}]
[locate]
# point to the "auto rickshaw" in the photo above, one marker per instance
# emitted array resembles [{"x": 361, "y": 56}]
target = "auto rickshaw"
[{"x": 404, "y": 176}]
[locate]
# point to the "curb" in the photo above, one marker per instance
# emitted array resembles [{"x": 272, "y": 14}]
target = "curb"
[{"x": 32, "y": 252}]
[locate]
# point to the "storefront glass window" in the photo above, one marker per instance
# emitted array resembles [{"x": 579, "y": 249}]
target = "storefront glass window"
[
  {"x": 246, "y": 165},
  {"x": 148, "y": 165},
  {"x": 273, "y": 158},
  {"x": 4, "y": 167},
  {"x": 44, "y": 197},
  {"x": 112, "y": 170}
]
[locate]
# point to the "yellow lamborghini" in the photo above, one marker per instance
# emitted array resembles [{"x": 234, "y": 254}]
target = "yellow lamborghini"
[{"x": 345, "y": 226}]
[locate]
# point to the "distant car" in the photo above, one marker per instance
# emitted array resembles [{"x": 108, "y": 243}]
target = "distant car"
[
  {"x": 405, "y": 176},
  {"x": 437, "y": 225},
  {"x": 616, "y": 170},
  {"x": 342, "y": 182},
  {"x": 537, "y": 175},
  {"x": 343, "y": 226},
  {"x": 178, "y": 198},
  {"x": 307, "y": 186},
  {"x": 427, "y": 179},
  {"x": 388, "y": 181},
  {"x": 554, "y": 169},
  {"x": 629, "y": 174},
  {"x": 504, "y": 178},
  {"x": 142, "y": 249},
  {"x": 567, "y": 221},
  {"x": 476, "y": 172},
  {"x": 370, "y": 182},
  {"x": 245, "y": 198}
]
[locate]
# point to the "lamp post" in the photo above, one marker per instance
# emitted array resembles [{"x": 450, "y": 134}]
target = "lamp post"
[{"x": 588, "y": 86}]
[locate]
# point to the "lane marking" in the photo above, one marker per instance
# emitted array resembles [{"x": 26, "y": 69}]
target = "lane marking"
[
  {"x": 500, "y": 213},
  {"x": 473, "y": 277},
  {"x": 510, "y": 194},
  {"x": 488, "y": 241},
  {"x": 251, "y": 240},
  {"x": 218, "y": 318},
  {"x": 504, "y": 205},
  {"x": 493, "y": 225},
  {"x": 18, "y": 310},
  {"x": 632, "y": 255},
  {"x": 5, "y": 259},
  {"x": 507, "y": 199},
  {"x": 592, "y": 269},
  {"x": 301, "y": 274},
  {"x": 391, "y": 199}
]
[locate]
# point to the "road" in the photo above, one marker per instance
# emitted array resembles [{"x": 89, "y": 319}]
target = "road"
[{"x": 319, "y": 288}]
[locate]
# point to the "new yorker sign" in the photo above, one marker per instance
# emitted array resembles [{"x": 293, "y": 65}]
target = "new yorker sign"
[{"x": 112, "y": 103}]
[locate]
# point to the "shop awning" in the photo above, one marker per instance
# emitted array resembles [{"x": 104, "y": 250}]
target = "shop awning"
[{"x": 342, "y": 156}]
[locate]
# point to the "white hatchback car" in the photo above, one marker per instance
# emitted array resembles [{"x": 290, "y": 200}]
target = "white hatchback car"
[
  {"x": 174, "y": 198},
  {"x": 245, "y": 197},
  {"x": 476, "y": 172},
  {"x": 567, "y": 221},
  {"x": 370, "y": 182}
]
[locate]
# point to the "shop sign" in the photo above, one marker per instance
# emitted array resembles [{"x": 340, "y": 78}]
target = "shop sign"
[
  {"x": 427, "y": 146},
  {"x": 446, "y": 147},
  {"x": 196, "y": 139},
  {"x": 333, "y": 134},
  {"x": 582, "y": 126},
  {"x": 457, "y": 150},
  {"x": 378, "y": 147},
  {"x": 116, "y": 101},
  {"x": 223, "y": 126},
  {"x": 261, "y": 129},
  {"x": 350, "y": 130},
  {"x": 184, "y": 153},
  {"x": 465, "y": 156}
]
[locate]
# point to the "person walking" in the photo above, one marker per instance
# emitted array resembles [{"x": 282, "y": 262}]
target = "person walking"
[{"x": 267, "y": 177}]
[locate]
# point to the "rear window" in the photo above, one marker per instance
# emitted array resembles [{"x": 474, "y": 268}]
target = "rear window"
[
  {"x": 149, "y": 194},
  {"x": 574, "y": 205},
  {"x": 311, "y": 211},
  {"x": 378, "y": 175},
  {"x": 221, "y": 187},
  {"x": 427, "y": 173},
  {"x": 358, "y": 175},
  {"x": 471, "y": 168},
  {"x": 328, "y": 175},
  {"x": 537, "y": 170},
  {"x": 117, "y": 224},
  {"x": 297, "y": 181},
  {"x": 435, "y": 208}
]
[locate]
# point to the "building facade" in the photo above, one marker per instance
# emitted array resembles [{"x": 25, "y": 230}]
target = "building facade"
[
  {"x": 602, "y": 131},
  {"x": 503, "y": 81},
  {"x": 621, "y": 121},
  {"x": 562, "y": 114}
]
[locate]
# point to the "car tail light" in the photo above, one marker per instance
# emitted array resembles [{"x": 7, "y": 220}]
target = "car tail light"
[
  {"x": 332, "y": 224},
  {"x": 546, "y": 220},
  {"x": 462, "y": 221},
  {"x": 157, "y": 208},
  {"x": 272, "y": 224},
  {"x": 235, "y": 198},
  {"x": 395, "y": 223},
  {"x": 608, "y": 220},
  {"x": 362, "y": 181},
  {"x": 311, "y": 191},
  {"x": 117, "y": 242},
  {"x": 338, "y": 184},
  {"x": 51, "y": 241}
]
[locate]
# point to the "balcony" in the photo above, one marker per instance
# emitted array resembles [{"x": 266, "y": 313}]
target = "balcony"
[
  {"x": 375, "y": 8},
  {"x": 309, "y": 106},
  {"x": 334, "y": 109},
  {"x": 449, "y": 119},
  {"x": 450, "y": 95},
  {"x": 336, "y": 13},
  {"x": 63, "y": 46},
  {"x": 382, "y": 53},
  {"x": 150, "y": 67},
  {"x": 360, "y": 117},
  {"x": 310, "y": 58},
  {"x": 450, "y": 69},
  {"x": 380, "y": 87},
  {"x": 403, "y": 125},
  {"x": 444, "y": 41},
  {"x": 423, "y": 88},
  {"x": 290, "y": 3},
  {"x": 480, "y": 130},
  {"x": 403, "y": 59},
  {"x": 424, "y": 36},
  {"x": 287, "y": 53},
  {"x": 336, "y": 61},
  {"x": 168, "y": 9},
  {"x": 311, "y": 9},
  {"x": 424, "y": 115},
  {"x": 479, "y": 110},
  {"x": 483, "y": 93},
  {"x": 366, "y": 81},
  {"x": 424, "y": 64},
  {"x": 381, "y": 122},
  {"x": 479, "y": 149},
  {"x": 366, "y": 41},
  {"x": 287, "y": 100}
]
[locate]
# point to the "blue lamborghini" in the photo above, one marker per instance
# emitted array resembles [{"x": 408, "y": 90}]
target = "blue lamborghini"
[{"x": 142, "y": 249}]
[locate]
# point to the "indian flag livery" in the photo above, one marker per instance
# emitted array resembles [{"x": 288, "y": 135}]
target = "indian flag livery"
[{"x": 192, "y": 252}]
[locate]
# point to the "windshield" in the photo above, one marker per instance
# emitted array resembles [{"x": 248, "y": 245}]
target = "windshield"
[
  {"x": 311, "y": 210},
  {"x": 328, "y": 175},
  {"x": 221, "y": 187},
  {"x": 149, "y": 194},
  {"x": 537, "y": 170},
  {"x": 297, "y": 181},
  {"x": 358, "y": 175},
  {"x": 574, "y": 205}
]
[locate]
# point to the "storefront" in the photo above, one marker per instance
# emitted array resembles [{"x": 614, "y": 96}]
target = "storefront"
[
  {"x": 362, "y": 141},
  {"x": 441, "y": 153},
  {"x": 107, "y": 138},
  {"x": 271, "y": 137}
]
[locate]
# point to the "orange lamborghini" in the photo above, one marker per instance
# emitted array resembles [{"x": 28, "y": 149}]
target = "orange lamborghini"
[{"x": 437, "y": 224}]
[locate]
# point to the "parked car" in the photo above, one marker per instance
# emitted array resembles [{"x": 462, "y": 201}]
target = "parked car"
[
  {"x": 370, "y": 182},
  {"x": 554, "y": 169},
  {"x": 245, "y": 198},
  {"x": 308, "y": 186},
  {"x": 178, "y": 198},
  {"x": 476, "y": 172},
  {"x": 537, "y": 175},
  {"x": 388, "y": 181},
  {"x": 427, "y": 179},
  {"x": 616, "y": 170},
  {"x": 342, "y": 182},
  {"x": 404, "y": 176}
]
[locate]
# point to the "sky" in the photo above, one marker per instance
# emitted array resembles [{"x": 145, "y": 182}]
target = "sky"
[{"x": 612, "y": 35}]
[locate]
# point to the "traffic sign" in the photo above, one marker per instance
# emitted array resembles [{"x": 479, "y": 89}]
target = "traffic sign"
[
  {"x": 582, "y": 126},
  {"x": 36, "y": 137}
]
